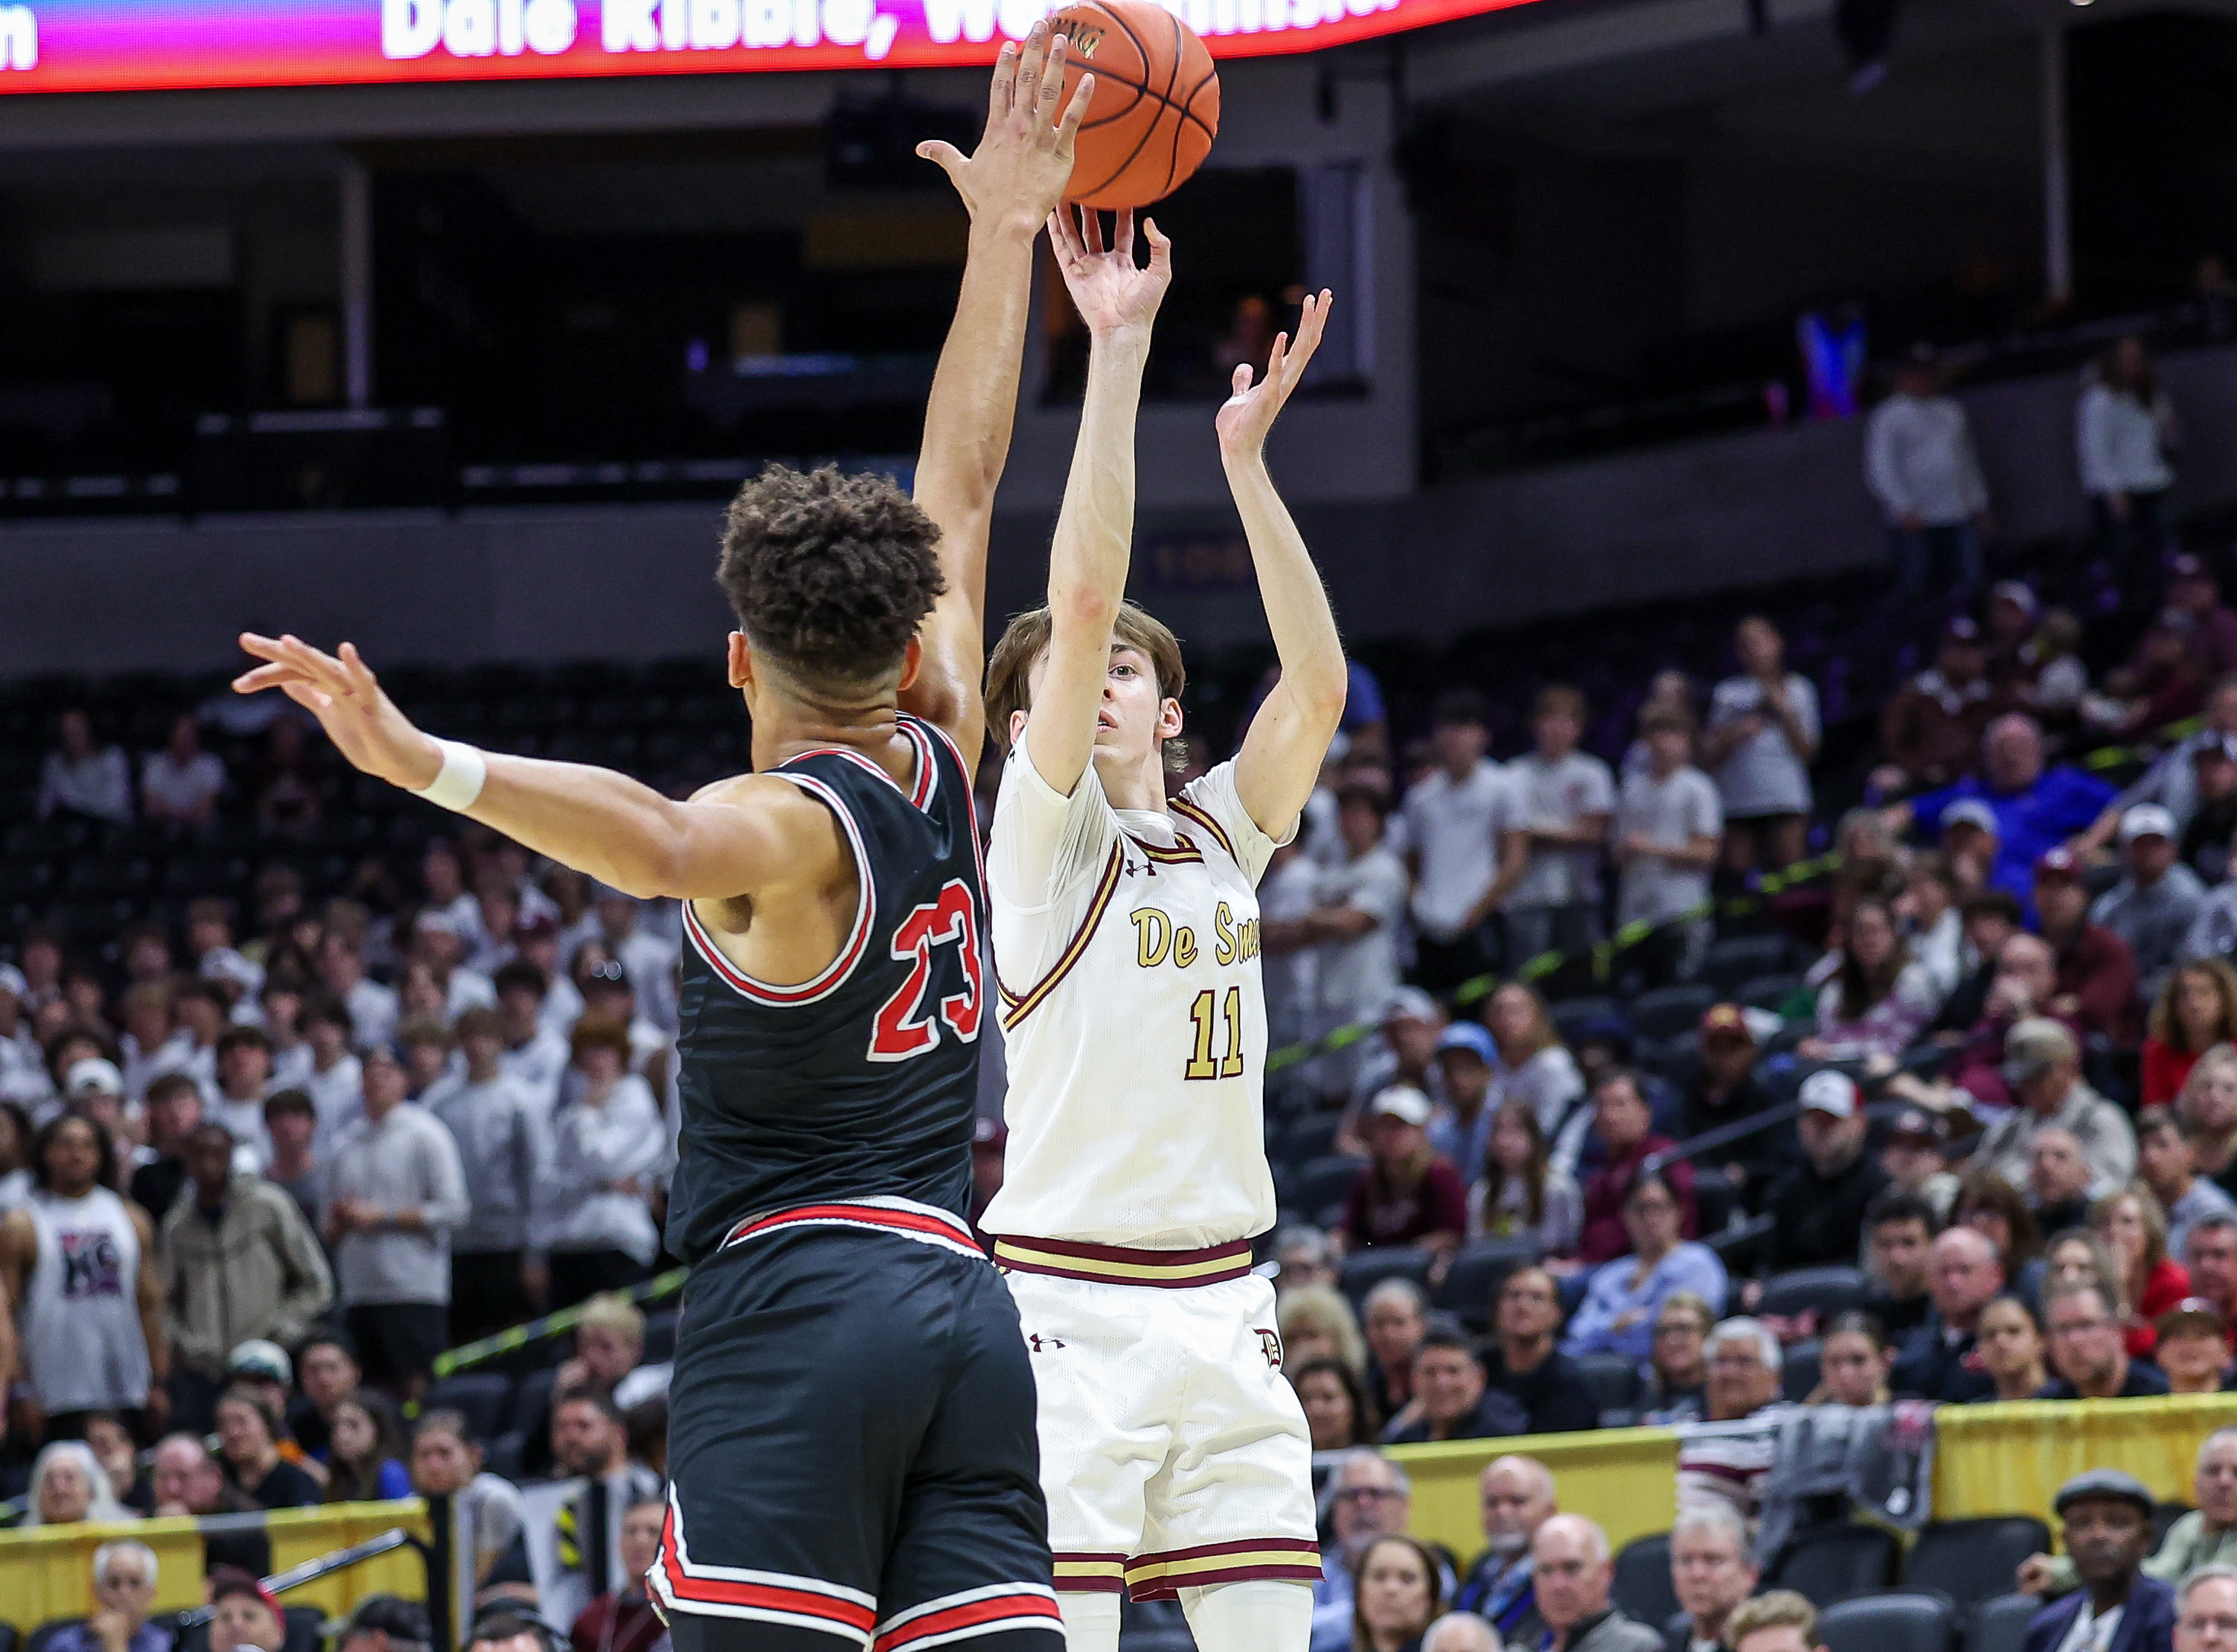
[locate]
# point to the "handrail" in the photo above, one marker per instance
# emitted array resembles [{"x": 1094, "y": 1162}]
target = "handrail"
[
  {"x": 311, "y": 1571},
  {"x": 452, "y": 1361}
]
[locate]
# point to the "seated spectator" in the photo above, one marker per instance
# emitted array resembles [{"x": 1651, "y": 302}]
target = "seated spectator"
[
  {"x": 285, "y": 782},
  {"x": 2133, "y": 1228},
  {"x": 2153, "y": 906},
  {"x": 244, "y": 1615},
  {"x": 82, "y": 780},
  {"x": 326, "y": 1366},
  {"x": 1854, "y": 1359},
  {"x": 1451, "y": 1399},
  {"x": 1668, "y": 824},
  {"x": 365, "y": 1458},
  {"x": 1535, "y": 1067},
  {"x": 2167, "y": 1162},
  {"x": 1518, "y": 1497},
  {"x": 1932, "y": 925},
  {"x": 445, "y": 1463},
  {"x": 1879, "y": 999},
  {"x": 2096, "y": 985},
  {"x": 2088, "y": 1358},
  {"x": 1523, "y": 1362},
  {"x": 590, "y": 1442},
  {"x": 1730, "y": 1465},
  {"x": 1720, "y": 1088},
  {"x": 1992, "y": 1207},
  {"x": 1818, "y": 1208},
  {"x": 1898, "y": 1238},
  {"x": 1338, "y": 1411},
  {"x": 2208, "y": 1106},
  {"x": 1460, "y": 1128},
  {"x": 1970, "y": 841},
  {"x": 623, "y": 1619},
  {"x": 2058, "y": 1181},
  {"x": 187, "y": 1481},
  {"x": 124, "y": 1574},
  {"x": 1780, "y": 1620},
  {"x": 2196, "y": 1008},
  {"x": 118, "y": 1453},
  {"x": 386, "y": 1623},
  {"x": 180, "y": 785},
  {"x": 1677, "y": 1370},
  {"x": 1712, "y": 1571},
  {"x": 248, "y": 1439},
  {"x": 1623, "y": 1124},
  {"x": 1762, "y": 736},
  {"x": 1987, "y": 919},
  {"x": 1368, "y": 1496},
  {"x": 2076, "y": 1256},
  {"x": 1520, "y": 1194},
  {"x": 1624, "y": 1296},
  {"x": 2206, "y": 1617},
  {"x": 67, "y": 1486},
  {"x": 2011, "y": 1350},
  {"x": 2206, "y": 1536},
  {"x": 2037, "y": 807},
  {"x": 2045, "y": 1063},
  {"x": 1573, "y": 1573},
  {"x": 2211, "y": 820},
  {"x": 1931, "y": 729},
  {"x": 1460, "y": 1632},
  {"x": 1405, "y": 1195},
  {"x": 2107, "y": 1520},
  {"x": 1941, "y": 1360},
  {"x": 2212, "y": 1258},
  {"x": 2193, "y": 1347},
  {"x": 1316, "y": 1322},
  {"x": 1306, "y": 1258},
  {"x": 1398, "y": 1595},
  {"x": 1406, "y": 1054}
]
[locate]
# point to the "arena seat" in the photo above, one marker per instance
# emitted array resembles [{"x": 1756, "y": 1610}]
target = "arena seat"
[
  {"x": 1768, "y": 991},
  {"x": 1570, "y": 1015},
  {"x": 1828, "y": 1291},
  {"x": 36, "y": 1641},
  {"x": 1667, "y": 1011},
  {"x": 1799, "y": 1368},
  {"x": 1363, "y": 1270},
  {"x": 2000, "y": 1624},
  {"x": 1738, "y": 959},
  {"x": 1472, "y": 1283},
  {"x": 1904, "y": 1623},
  {"x": 1642, "y": 1583},
  {"x": 483, "y": 1398},
  {"x": 531, "y": 1399},
  {"x": 1322, "y": 1183},
  {"x": 1972, "y": 1561},
  {"x": 1827, "y": 1563},
  {"x": 1612, "y": 1378},
  {"x": 1302, "y": 1139},
  {"x": 2165, "y": 1514}
]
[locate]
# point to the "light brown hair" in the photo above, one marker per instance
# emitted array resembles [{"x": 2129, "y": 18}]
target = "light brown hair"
[
  {"x": 1782, "y": 1609},
  {"x": 1009, "y": 668}
]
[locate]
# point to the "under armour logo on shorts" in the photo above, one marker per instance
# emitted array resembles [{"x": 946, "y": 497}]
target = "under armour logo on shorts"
[{"x": 1040, "y": 1344}]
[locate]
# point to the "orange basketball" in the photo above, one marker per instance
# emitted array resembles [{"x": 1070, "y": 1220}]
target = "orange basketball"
[{"x": 1155, "y": 107}]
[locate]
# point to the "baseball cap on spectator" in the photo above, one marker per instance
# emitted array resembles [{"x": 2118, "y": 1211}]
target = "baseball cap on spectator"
[
  {"x": 1727, "y": 1021},
  {"x": 264, "y": 1361},
  {"x": 1917, "y": 1126},
  {"x": 1469, "y": 1036},
  {"x": 2145, "y": 820},
  {"x": 1409, "y": 1004},
  {"x": 2035, "y": 1045},
  {"x": 2193, "y": 1313},
  {"x": 94, "y": 1075},
  {"x": 1830, "y": 1093},
  {"x": 1972, "y": 812},
  {"x": 1401, "y": 1101},
  {"x": 2061, "y": 862},
  {"x": 226, "y": 1581},
  {"x": 12, "y": 982},
  {"x": 2017, "y": 592}
]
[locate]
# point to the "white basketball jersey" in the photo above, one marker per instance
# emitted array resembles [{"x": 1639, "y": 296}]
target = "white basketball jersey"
[
  {"x": 1127, "y": 949},
  {"x": 80, "y": 1316}
]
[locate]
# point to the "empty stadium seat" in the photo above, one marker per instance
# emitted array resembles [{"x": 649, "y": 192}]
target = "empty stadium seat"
[
  {"x": 1667, "y": 1011},
  {"x": 1363, "y": 1270},
  {"x": 1472, "y": 1283},
  {"x": 1572, "y": 1014},
  {"x": 1798, "y": 1368},
  {"x": 1302, "y": 1139},
  {"x": 1972, "y": 1561},
  {"x": 483, "y": 1398},
  {"x": 1828, "y": 1290},
  {"x": 1827, "y": 1563},
  {"x": 1768, "y": 991},
  {"x": 1738, "y": 959},
  {"x": 1613, "y": 1379},
  {"x": 531, "y": 1399},
  {"x": 1323, "y": 1183},
  {"x": 1905, "y": 1623},
  {"x": 2165, "y": 1514},
  {"x": 2001, "y": 1624},
  {"x": 1642, "y": 1584}
]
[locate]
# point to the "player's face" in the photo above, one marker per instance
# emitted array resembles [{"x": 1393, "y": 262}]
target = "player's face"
[{"x": 1132, "y": 722}]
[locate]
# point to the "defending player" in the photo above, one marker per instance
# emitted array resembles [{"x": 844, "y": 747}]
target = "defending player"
[
  {"x": 852, "y": 1457},
  {"x": 1174, "y": 1455}
]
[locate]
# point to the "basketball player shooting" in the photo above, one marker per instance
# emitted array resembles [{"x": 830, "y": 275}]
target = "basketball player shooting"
[
  {"x": 851, "y": 1443},
  {"x": 1175, "y": 1458}
]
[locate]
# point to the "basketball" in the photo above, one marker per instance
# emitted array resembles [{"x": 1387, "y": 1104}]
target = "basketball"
[{"x": 1156, "y": 109}]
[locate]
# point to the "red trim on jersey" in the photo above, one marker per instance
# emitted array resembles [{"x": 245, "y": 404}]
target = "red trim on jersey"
[
  {"x": 918, "y": 792},
  {"x": 770, "y": 1597},
  {"x": 1022, "y": 1609},
  {"x": 866, "y": 909},
  {"x": 917, "y": 1225}
]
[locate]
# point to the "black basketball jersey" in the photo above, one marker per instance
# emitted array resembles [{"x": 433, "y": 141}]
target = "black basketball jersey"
[{"x": 862, "y": 1083}]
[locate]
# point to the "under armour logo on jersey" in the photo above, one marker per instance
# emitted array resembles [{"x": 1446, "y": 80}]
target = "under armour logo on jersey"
[
  {"x": 1040, "y": 1344},
  {"x": 1269, "y": 1344}
]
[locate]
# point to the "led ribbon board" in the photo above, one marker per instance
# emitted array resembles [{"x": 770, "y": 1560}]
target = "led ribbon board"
[{"x": 145, "y": 45}]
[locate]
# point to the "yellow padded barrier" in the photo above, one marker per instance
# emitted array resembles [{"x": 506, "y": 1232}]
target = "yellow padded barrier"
[
  {"x": 1626, "y": 1478},
  {"x": 46, "y": 1572}
]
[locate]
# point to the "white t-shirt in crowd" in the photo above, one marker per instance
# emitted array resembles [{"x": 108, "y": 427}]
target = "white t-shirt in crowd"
[
  {"x": 1763, "y": 775},
  {"x": 1919, "y": 461},
  {"x": 1672, "y": 811},
  {"x": 1454, "y": 827},
  {"x": 1359, "y": 975},
  {"x": 178, "y": 788},
  {"x": 1287, "y": 891},
  {"x": 1552, "y": 796}
]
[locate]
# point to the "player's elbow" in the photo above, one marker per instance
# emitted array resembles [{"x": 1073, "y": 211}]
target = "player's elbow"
[{"x": 1081, "y": 609}]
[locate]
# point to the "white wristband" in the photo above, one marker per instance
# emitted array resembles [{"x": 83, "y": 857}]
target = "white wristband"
[{"x": 465, "y": 772}]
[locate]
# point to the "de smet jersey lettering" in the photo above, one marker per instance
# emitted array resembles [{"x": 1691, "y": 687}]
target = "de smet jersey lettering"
[{"x": 862, "y": 1083}]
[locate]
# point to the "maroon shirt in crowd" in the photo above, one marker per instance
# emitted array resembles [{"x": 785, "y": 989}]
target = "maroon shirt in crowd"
[
  {"x": 1604, "y": 1238},
  {"x": 1374, "y": 1214},
  {"x": 2098, "y": 967}
]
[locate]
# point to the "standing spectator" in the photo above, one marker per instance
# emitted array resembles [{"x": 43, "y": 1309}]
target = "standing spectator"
[
  {"x": 1451, "y": 1399},
  {"x": 2107, "y": 1517},
  {"x": 372, "y": 1008},
  {"x": 335, "y": 1081},
  {"x": 180, "y": 785},
  {"x": 2088, "y": 1357},
  {"x": 1624, "y": 1298},
  {"x": 1763, "y": 736},
  {"x": 1562, "y": 798},
  {"x": 1522, "y": 1195},
  {"x": 623, "y": 1619},
  {"x": 2157, "y": 899},
  {"x": 1574, "y": 1574},
  {"x": 248, "y": 1435},
  {"x": 2195, "y": 1009},
  {"x": 1712, "y": 1571},
  {"x": 124, "y": 1574},
  {"x": 365, "y": 1454},
  {"x": 1517, "y": 1494},
  {"x": 395, "y": 1191},
  {"x": 244, "y": 1080},
  {"x": 1405, "y": 1195},
  {"x": 1624, "y": 1125},
  {"x": 2045, "y": 1064},
  {"x": 645, "y": 957},
  {"x": 1461, "y": 844},
  {"x": 1669, "y": 822},
  {"x": 2135, "y": 1230},
  {"x": 1398, "y": 1596},
  {"x": 533, "y": 1053},
  {"x": 291, "y": 1125},
  {"x": 2037, "y": 808},
  {"x": 287, "y": 781},
  {"x": 82, "y": 781},
  {"x": 172, "y": 1111},
  {"x": 238, "y": 1264},
  {"x": 78, "y": 1265},
  {"x": 447, "y": 1464},
  {"x": 1535, "y": 1067},
  {"x": 1818, "y": 1208},
  {"x": 2168, "y": 1164},
  {"x": 1524, "y": 1363},
  {"x": 608, "y": 1144},
  {"x": 1940, "y": 1360},
  {"x": 495, "y": 1279},
  {"x": 1879, "y": 999},
  {"x": 1362, "y": 895},
  {"x": 2124, "y": 428},
  {"x": 1920, "y": 466},
  {"x": 1931, "y": 729}
]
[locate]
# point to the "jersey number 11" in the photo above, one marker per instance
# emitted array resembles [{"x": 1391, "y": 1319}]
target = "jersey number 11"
[{"x": 1201, "y": 1065}]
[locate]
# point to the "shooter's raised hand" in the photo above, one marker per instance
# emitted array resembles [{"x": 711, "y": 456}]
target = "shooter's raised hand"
[
  {"x": 1017, "y": 173},
  {"x": 1249, "y": 413},
  {"x": 1112, "y": 293}
]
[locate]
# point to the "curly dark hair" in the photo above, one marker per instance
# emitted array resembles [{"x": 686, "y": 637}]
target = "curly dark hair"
[{"x": 829, "y": 574}]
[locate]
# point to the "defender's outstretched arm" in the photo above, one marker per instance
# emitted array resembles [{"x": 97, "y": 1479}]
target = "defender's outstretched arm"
[
  {"x": 760, "y": 831},
  {"x": 1095, "y": 527},
  {"x": 1010, "y": 184},
  {"x": 1282, "y": 754}
]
